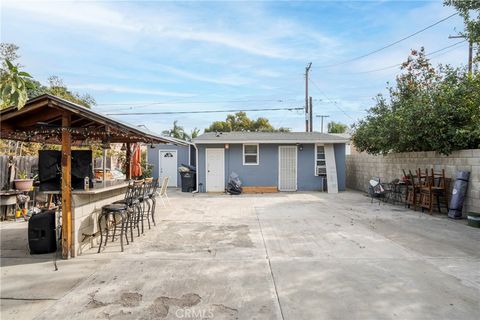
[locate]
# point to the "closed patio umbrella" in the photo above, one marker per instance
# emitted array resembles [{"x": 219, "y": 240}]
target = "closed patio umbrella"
[{"x": 136, "y": 162}]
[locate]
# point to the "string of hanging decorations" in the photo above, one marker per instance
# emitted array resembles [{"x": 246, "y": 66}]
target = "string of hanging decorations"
[{"x": 45, "y": 134}]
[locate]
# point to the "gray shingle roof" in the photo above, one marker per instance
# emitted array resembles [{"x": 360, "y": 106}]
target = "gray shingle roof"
[{"x": 268, "y": 137}]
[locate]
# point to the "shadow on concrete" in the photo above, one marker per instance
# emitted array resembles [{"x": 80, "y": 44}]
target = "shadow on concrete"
[{"x": 14, "y": 245}]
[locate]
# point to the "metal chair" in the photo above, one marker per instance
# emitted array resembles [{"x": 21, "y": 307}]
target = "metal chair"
[
  {"x": 151, "y": 198},
  {"x": 376, "y": 189},
  {"x": 113, "y": 210}
]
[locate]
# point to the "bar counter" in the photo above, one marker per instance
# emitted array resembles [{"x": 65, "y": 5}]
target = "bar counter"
[{"x": 86, "y": 205}]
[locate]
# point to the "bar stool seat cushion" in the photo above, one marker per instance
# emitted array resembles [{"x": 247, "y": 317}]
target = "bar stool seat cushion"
[{"x": 114, "y": 207}]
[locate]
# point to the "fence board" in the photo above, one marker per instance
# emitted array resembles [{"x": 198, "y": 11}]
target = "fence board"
[{"x": 22, "y": 163}]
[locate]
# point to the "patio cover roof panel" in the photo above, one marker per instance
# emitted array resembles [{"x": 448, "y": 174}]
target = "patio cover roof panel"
[{"x": 40, "y": 121}]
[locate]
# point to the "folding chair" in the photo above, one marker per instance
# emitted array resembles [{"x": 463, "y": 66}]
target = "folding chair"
[
  {"x": 163, "y": 192},
  {"x": 376, "y": 189}
]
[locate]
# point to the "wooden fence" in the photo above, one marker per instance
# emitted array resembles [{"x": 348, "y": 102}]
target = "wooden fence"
[{"x": 22, "y": 163}]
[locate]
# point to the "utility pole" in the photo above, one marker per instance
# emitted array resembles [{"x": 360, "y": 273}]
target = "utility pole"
[
  {"x": 322, "y": 116},
  {"x": 311, "y": 114},
  {"x": 307, "y": 117},
  {"x": 470, "y": 51}
]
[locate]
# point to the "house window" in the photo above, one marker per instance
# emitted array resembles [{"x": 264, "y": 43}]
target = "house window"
[
  {"x": 250, "y": 154},
  {"x": 320, "y": 164}
]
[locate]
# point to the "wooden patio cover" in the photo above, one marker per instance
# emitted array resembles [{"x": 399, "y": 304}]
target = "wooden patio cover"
[{"x": 52, "y": 120}]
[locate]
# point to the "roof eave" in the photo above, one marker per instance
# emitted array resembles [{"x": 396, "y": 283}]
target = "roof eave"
[{"x": 268, "y": 141}]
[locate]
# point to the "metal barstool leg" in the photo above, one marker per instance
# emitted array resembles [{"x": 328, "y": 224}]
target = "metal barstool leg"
[
  {"x": 121, "y": 235},
  {"x": 130, "y": 219},
  {"x": 148, "y": 212},
  {"x": 107, "y": 230},
  {"x": 99, "y": 220},
  {"x": 114, "y": 226},
  {"x": 137, "y": 208},
  {"x": 154, "y": 203},
  {"x": 141, "y": 215}
]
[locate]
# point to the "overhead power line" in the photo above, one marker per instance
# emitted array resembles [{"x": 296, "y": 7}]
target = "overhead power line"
[
  {"x": 388, "y": 45},
  {"x": 332, "y": 101},
  {"x": 189, "y": 102},
  {"x": 399, "y": 64},
  {"x": 201, "y": 111}
]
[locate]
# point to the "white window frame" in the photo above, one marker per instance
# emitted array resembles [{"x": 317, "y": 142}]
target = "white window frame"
[
  {"x": 316, "y": 160},
  {"x": 258, "y": 154}
]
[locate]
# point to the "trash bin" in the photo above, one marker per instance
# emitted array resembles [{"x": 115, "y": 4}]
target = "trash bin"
[{"x": 188, "y": 181}]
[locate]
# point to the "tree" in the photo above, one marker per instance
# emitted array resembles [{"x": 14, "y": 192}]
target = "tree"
[
  {"x": 241, "y": 122},
  {"x": 429, "y": 109},
  {"x": 194, "y": 133},
  {"x": 176, "y": 132},
  {"x": 337, "y": 127},
  {"x": 13, "y": 87},
  {"x": 469, "y": 10},
  {"x": 8, "y": 51}
]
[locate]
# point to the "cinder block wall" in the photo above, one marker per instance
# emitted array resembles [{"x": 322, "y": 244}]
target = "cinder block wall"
[{"x": 361, "y": 167}]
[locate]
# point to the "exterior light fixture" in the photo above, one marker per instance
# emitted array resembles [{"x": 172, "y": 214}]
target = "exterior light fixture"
[
  {"x": 124, "y": 147},
  {"x": 300, "y": 147},
  {"x": 227, "y": 146}
]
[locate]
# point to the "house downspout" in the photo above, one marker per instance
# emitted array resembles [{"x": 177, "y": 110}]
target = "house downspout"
[{"x": 196, "y": 164}]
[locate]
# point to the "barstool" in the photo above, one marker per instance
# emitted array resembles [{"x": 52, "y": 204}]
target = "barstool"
[
  {"x": 142, "y": 196},
  {"x": 132, "y": 203},
  {"x": 151, "y": 196},
  {"x": 114, "y": 209}
]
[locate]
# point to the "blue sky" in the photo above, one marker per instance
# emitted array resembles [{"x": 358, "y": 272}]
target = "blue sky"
[{"x": 148, "y": 56}]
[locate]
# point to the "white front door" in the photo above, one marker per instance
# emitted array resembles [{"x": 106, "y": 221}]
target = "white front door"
[
  {"x": 287, "y": 168},
  {"x": 168, "y": 166},
  {"x": 215, "y": 169}
]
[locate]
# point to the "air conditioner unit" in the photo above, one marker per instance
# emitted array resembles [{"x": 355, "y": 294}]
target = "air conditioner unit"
[{"x": 321, "y": 171}]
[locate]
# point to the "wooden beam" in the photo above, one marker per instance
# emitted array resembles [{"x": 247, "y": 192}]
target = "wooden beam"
[
  {"x": 128, "y": 163},
  {"x": 260, "y": 189},
  {"x": 66, "y": 187}
]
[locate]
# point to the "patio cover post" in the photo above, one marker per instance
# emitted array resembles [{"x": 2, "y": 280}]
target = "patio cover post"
[
  {"x": 128, "y": 162},
  {"x": 66, "y": 186}
]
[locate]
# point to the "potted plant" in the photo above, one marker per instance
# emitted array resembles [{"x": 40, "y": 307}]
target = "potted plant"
[{"x": 23, "y": 183}]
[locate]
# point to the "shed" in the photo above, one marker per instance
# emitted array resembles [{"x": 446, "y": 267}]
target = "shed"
[
  {"x": 168, "y": 157},
  {"x": 272, "y": 161}
]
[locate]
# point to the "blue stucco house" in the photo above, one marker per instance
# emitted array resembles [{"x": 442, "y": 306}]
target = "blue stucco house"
[{"x": 280, "y": 161}]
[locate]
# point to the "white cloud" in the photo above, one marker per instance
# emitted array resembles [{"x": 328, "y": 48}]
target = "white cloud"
[
  {"x": 228, "y": 80},
  {"x": 127, "y": 89}
]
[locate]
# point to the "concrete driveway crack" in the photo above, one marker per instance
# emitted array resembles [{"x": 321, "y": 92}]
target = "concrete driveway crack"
[{"x": 269, "y": 264}]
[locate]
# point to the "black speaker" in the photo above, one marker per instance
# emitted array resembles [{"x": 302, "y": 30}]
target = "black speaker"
[
  {"x": 81, "y": 168},
  {"x": 49, "y": 170},
  {"x": 41, "y": 233}
]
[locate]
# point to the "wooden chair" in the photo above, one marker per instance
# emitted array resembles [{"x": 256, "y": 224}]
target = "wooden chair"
[
  {"x": 436, "y": 188},
  {"x": 415, "y": 182},
  {"x": 426, "y": 192}
]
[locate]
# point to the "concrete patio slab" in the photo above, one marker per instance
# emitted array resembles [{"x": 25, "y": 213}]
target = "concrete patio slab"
[{"x": 271, "y": 256}]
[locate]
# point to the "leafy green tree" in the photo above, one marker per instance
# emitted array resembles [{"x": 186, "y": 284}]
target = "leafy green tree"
[
  {"x": 337, "y": 127},
  {"x": 469, "y": 10},
  {"x": 429, "y": 109},
  {"x": 177, "y": 132},
  {"x": 194, "y": 133},
  {"x": 13, "y": 87},
  {"x": 57, "y": 87},
  {"x": 241, "y": 122}
]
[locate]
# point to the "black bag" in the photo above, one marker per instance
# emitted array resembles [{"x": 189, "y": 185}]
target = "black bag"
[{"x": 234, "y": 185}]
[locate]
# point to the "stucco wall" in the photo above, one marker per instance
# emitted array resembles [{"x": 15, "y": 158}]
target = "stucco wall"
[
  {"x": 266, "y": 172},
  {"x": 182, "y": 157},
  {"x": 361, "y": 167}
]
